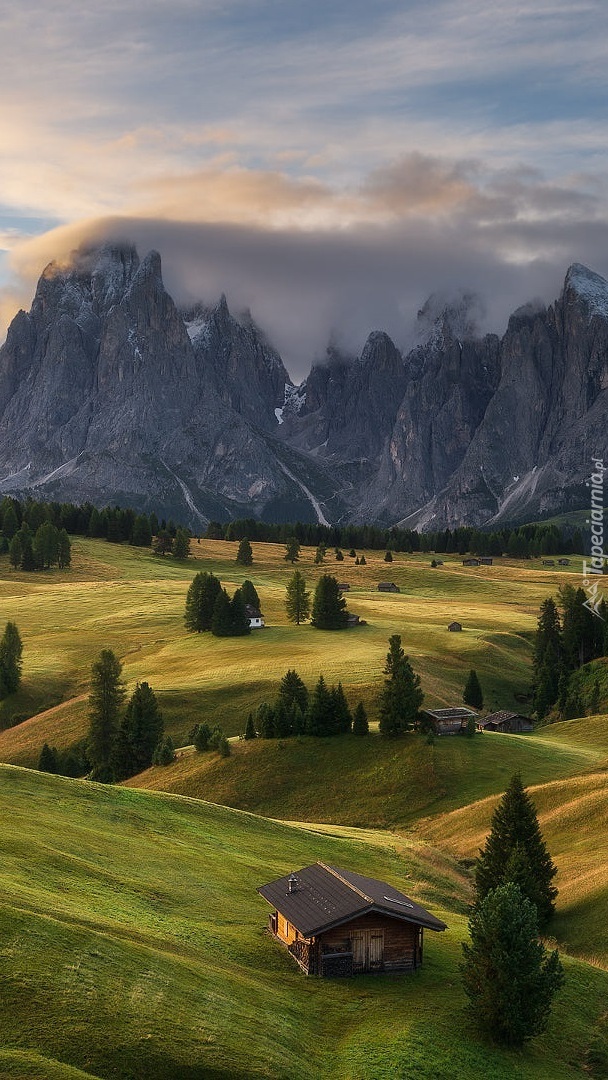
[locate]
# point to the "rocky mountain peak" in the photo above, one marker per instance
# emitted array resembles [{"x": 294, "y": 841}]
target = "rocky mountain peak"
[{"x": 584, "y": 284}]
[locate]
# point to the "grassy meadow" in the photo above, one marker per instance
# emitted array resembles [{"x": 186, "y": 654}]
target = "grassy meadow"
[
  {"x": 132, "y": 941},
  {"x": 135, "y": 915},
  {"x": 133, "y": 602}
]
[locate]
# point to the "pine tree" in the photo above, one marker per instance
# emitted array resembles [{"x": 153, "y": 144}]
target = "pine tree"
[
  {"x": 10, "y": 522},
  {"x": 48, "y": 760},
  {"x": 343, "y": 720},
  {"x": 360, "y": 721},
  {"x": 329, "y": 606},
  {"x": 388, "y": 556},
  {"x": 402, "y": 697},
  {"x": 320, "y": 554},
  {"x": 245, "y": 554},
  {"x": 181, "y": 544},
  {"x": 320, "y": 712},
  {"x": 64, "y": 550},
  {"x": 163, "y": 544},
  {"x": 240, "y": 624},
  {"x": 265, "y": 721},
  {"x": 140, "y": 732},
  {"x": 508, "y": 976},
  {"x": 249, "y": 594},
  {"x": 515, "y": 846},
  {"x": 221, "y": 621},
  {"x": 472, "y": 694},
  {"x": 142, "y": 533},
  {"x": 292, "y": 549},
  {"x": 362, "y": 561},
  {"x": 250, "y": 732},
  {"x": 547, "y": 658},
  {"x": 297, "y": 599},
  {"x": 339, "y": 555},
  {"x": 15, "y": 552},
  {"x": 165, "y": 752},
  {"x": 292, "y": 689},
  {"x": 200, "y": 600},
  {"x": 201, "y": 736},
  {"x": 11, "y": 652},
  {"x": 105, "y": 700}
]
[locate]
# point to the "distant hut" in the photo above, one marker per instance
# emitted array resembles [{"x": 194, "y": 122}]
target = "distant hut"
[
  {"x": 449, "y": 721},
  {"x": 338, "y": 923},
  {"x": 548, "y": 562},
  {"x": 344, "y": 587},
  {"x": 507, "y": 722},
  {"x": 485, "y": 560},
  {"x": 388, "y": 586},
  {"x": 256, "y": 619},
  {"x": 455, "y": 626},
  {"x": 470, "y": 562},
  {"x": 353, "y": 620},
  {"x": 564, "y": 562}
]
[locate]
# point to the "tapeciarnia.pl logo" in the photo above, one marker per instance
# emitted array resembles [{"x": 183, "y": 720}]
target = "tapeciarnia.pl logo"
[{"x": 594, "y": 569}]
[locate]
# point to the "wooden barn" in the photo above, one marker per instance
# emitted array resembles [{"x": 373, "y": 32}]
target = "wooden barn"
[
  {"x": 455, "y": 627},
  {"x": 388, "y": 586},
  {"x": 470, "y": 562},
  {"x": 509, "y": 722},
  {"x": 449, "y": 721},
  {"x": 338, "y": 923}
]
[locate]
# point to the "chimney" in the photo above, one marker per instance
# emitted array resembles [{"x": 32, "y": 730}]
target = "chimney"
[{"x": 292, "y": 883}]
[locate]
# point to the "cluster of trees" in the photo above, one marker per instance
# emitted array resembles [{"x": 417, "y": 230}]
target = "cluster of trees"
[
  {"x": 521, "y": 542},
  {"x": 205, "y": 738},
  {"x": 296, "y": 711},
  {"x": 328, "y": 607},
  {"x": 48, "y": 546},
  {"x": 508, "y": 975},
  {"x": 11, "y": 652},
  {"x": 122, "y": 743},
  {"x": 167, "y": 543},
  {"x": 568, "y": 635},
  {"x": 209, "y": 607}
]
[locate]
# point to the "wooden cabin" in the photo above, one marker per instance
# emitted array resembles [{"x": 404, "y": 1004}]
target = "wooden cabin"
[
  {"x": 344, "y": 587},
  {"x": 338, "y": 923},
  {"x": 449, "y": 721},
  {"x": 548, "y": 562},
  {"x": 470, "y": 562},
  {"x": 353, "y": 620},
  {"x": 486, "y": 560},
  {"x": 564, "y": 562},
  {"x": 388, "y": 586},
  {"x": 454, "y": 627},
  {"x": 509, "y": 722}
]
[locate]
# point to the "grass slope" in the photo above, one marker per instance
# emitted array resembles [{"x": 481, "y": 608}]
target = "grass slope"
[
  {"x": 133, "y": 602},
  {"x": 132, "y": 945},
  {"x": 573, "y": 814},
  {"x": 370, "y": 780}
]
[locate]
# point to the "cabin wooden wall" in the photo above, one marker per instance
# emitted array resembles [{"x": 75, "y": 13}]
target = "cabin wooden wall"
[{"x": 402, "y": 941}]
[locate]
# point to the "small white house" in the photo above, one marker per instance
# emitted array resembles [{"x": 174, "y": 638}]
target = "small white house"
[{"x": 256, "y": 619}]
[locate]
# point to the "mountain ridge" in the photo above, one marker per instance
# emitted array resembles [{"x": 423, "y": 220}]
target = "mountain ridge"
[{"x": 110, "y": 392}]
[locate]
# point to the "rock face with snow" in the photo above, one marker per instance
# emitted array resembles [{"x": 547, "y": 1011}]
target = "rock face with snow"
[
  {"x": 109, "y": 393},
  {"x": 106, "y": 397}
]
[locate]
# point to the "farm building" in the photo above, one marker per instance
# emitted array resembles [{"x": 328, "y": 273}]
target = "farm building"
[
  {"x": 454, "y": 626},
  {"x": 388, "y": 586},
  {"x": 449, "y": 721},
  {"x": 470, "y": 562},
  {"x": 338, "y": 923},
  {"x": 509, "y": 722},
  {"x": 564, "y": 562},
  {"x": 485, "y": 560},
  {"x": 344, "y": 587},
  {"x": 548, "y": 562},
  {"x": 353, "y": 620},
  {"x": 256, "y": 619}
]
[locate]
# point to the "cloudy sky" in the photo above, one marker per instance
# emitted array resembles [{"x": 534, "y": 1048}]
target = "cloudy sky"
[{"x": 327, "y": 164}]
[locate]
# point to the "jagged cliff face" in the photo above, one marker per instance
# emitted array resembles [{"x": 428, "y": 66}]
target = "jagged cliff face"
[
  {"x": 106, "y": 397},
  {"x": 109, "y": 392}
]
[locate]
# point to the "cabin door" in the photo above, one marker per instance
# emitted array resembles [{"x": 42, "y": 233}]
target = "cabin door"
[{"x": 368, "y": 949}]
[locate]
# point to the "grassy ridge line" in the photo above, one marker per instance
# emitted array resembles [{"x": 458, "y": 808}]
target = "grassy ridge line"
[
  {"x": 132, "y": 945},
  {"x": 369, "y": 781},
  {"x": 132, "y": 601},
  {"x": 27, "y": 1065}
]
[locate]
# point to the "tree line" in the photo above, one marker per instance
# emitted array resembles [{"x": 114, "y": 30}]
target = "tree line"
[
  {"x": 125, "y": 525},
  {"x": 520, "y": 541},
  {"x": 568, "y": 635}
]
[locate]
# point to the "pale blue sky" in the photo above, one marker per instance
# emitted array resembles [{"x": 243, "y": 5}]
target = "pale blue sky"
[{"x": 313, "y": 121}]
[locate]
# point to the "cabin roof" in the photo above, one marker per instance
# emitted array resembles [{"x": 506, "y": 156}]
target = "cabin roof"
[
  {"x": 500, "y": 717},
  {"x": 253, "y": 612},
  {"x": 459, "y": 713},
  {"x": 324, "y": 896}
]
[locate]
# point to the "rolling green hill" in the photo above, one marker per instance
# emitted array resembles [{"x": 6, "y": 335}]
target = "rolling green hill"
[
  {"x": 131, "y": 601},
  {"x": 133, "y": 945}
]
